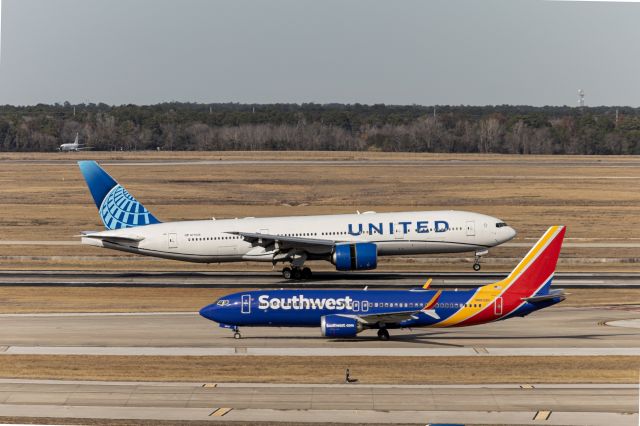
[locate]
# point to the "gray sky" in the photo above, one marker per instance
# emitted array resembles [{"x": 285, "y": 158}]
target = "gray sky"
[{"x": 473, "y": 52}]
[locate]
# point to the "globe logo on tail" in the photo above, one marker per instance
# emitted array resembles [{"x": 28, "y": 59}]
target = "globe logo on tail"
[{"x": 120, "y": 210}]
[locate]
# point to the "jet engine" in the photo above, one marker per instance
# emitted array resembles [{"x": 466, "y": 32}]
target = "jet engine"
[
  {"x": 339, "y": 326},
  {"x": 355, "y": 257}
]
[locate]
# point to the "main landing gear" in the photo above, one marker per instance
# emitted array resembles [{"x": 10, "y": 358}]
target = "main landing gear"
[
  {"x": 479, "y": 254},
  {"x": 296, "y": 273},
  {"x": 383, "y": 334}
]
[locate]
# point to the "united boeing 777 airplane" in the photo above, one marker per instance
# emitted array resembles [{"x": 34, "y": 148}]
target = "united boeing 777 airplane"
[
  {"x": 345, "y": 313},
  {"x": 349, "y": 241}
]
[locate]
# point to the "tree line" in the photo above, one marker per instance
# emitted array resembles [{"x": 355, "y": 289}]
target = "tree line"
[{"x": 335, "y": 127}]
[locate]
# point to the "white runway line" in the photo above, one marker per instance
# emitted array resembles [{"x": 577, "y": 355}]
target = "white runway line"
[
  {"x": 96, "y": 314},
  {"x": 311, "y": 351},
  {"x": 630, "y": 323}
]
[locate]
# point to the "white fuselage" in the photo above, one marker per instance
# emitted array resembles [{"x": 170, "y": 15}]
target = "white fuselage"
[{"x": 400, "y": 233}]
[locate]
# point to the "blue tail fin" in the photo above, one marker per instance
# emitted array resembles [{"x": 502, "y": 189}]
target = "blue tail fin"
[{"x": 117, "y": 208}]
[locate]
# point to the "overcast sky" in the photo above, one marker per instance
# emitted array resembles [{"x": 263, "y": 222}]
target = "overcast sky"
[{"x": 472, "y": 52}]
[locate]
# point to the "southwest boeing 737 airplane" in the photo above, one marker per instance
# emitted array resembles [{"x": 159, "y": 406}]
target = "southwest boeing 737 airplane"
[
  {"x": 345, "y": 313},
  {"x": 350, "y": 241}
]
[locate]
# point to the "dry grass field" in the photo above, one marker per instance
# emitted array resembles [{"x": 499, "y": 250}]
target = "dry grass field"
[
  {"x": 137, "y": 299},
  {"x": 43, "y": 197},
  {"x": 278, "y": 369}
]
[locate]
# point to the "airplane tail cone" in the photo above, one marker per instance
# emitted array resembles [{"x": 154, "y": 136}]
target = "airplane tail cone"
[{"x": 117, "y": 208}]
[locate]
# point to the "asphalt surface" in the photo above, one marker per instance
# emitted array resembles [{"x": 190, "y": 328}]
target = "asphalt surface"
[
  {"x": 556, "y": 331},
  {"x": 530, "y": 162}
]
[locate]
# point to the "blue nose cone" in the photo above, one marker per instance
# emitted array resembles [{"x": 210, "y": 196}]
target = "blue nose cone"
[{"x": 209, "y": 312}]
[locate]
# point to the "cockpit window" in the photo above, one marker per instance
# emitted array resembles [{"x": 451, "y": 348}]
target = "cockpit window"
[
  {"x": 222, "y": 302},
  {"x": 500, "y": 224}
]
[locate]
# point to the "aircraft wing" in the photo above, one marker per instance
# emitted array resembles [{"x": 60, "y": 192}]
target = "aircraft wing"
[
  {"x": 284, "y": 242},
  {"x": 398, "y": 316},
  {"x": 391, "y": 317}
]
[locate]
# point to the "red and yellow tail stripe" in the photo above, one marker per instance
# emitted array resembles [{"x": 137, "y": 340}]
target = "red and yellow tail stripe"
[{"x": 526, "y": 278}]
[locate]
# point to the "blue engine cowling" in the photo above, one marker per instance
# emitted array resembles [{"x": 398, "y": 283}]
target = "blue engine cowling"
[
  {"x": 339, "y": 326},
  {"x": 355, "y": 257}
]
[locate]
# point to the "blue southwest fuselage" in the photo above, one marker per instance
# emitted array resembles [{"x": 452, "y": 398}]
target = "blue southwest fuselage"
[
  {"x": 344, "y": 313},
  {"x": 305, "y": 308}
]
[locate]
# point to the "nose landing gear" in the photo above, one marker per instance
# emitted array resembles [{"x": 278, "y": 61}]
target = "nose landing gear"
[
  {"x": 479, "y": 254},
  {"x": 236, "y": 332}
]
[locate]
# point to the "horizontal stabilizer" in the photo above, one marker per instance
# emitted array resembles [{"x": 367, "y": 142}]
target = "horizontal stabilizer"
[
  {"x": 541, "y": 298},
  {"x": 113, "y": 236}
]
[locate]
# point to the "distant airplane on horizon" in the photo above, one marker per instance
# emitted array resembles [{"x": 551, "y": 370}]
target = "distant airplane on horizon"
[
  {"x": 351, "y": 242},
  {"x": 75, "y": 146},
  {"x": 345, "y": 313}
]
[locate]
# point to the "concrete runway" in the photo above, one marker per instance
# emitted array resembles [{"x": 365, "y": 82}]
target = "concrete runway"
[
  {"x": 352, "y": 403},
  {"x": 237, "y": 279},
  {"x": 556, "y": 330}
]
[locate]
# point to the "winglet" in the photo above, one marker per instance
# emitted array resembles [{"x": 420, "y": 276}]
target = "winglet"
[
  {"x": 431, "y": 303},
  {"x": 427, "y": 284}
]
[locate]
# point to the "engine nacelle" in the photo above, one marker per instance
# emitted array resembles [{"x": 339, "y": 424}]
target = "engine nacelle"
[
  {"x": 355, "y": 256},
  {"x": 339, "y": 326}
]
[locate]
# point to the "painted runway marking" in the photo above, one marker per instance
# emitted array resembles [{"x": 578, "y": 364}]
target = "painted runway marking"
[{"x": 312, "y": 351}]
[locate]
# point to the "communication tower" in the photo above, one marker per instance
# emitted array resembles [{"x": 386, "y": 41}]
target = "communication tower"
[{"x": 581, "y": 98}]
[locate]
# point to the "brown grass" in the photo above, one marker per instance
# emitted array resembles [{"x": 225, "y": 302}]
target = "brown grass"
[
  {"x": 49, "y": 201},
  {"x": 278, "y": 369},
  {"x": 123, "y": 299}
]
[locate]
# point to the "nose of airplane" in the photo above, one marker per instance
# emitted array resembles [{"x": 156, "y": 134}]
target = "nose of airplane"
[
  {"x": 210, "y": 312},
  {"x": 509, "y": 233}
]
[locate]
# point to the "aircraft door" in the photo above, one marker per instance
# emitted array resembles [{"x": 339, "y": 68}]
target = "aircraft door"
[
  {"x": 365, "y": 306},
  {"x": 173, "y": 241},
  {"x": 246, "y": 304},
  {"x": 398, "y": 231},
  {"x": 471, "y": 228},
  {"x": 497, "y": 307},
  {"x": 356, "y": 306}
]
